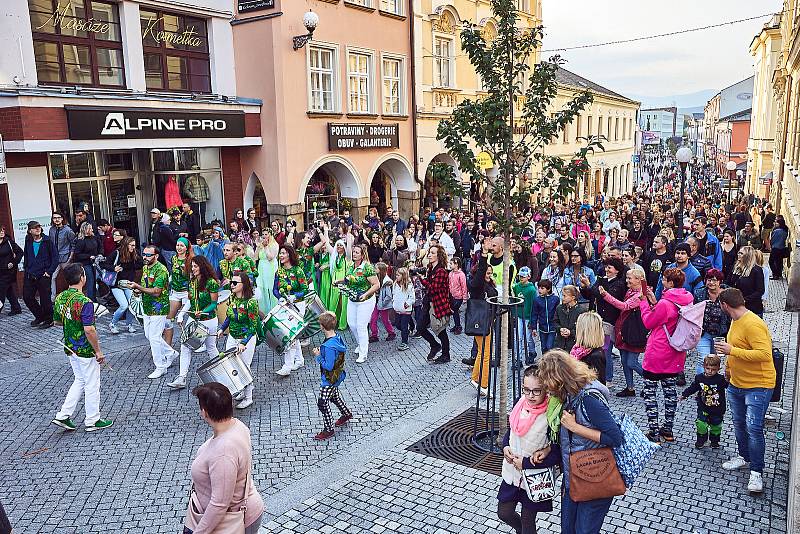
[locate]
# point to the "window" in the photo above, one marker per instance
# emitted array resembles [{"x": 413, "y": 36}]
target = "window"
[
  {"x": 616, "y": 129},
  {"x": 365, "y": 3},
  {"x": 443, "y": 61},
  {"x": 176, "y": 54},
  {"x": 392, "y": 86},
  {"x": 565, "y": 136},
  {"x": 589, "y": 126},
  {"x": 608, "y": 129},
  {"x": 77, "y": 42},
  {"x": 578, "y": 127},
  {"x": 392, "y": 6},
  {"x": 600, "y": 126},
  {"x": 359, "y": 67},
  {"x": 322, "y": 76}
]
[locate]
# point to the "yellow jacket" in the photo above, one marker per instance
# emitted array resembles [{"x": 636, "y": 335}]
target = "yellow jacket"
[{"x": 750, "y": 361}]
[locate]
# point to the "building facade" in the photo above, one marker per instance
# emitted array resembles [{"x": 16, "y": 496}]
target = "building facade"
[
  {"x": 695, "y": 135},
  {"x": 732, "y": 134},
  {"x": 445, "y": 76},
  {"x": 120, "y": 107},
  {"x": 610, "y": 116},
  {"x": 339, "y": 133},
  {"x": 765, "y": 49},
  {"x": 663, "y": 122},
  {"x": 710, "y": 119}
]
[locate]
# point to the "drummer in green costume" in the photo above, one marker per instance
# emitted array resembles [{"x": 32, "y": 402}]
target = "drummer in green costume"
[
  {"x": 291, "y": 284},
  {"x": 241, "y": 322},
  {"x": 203, "y": 292},
  {"x": 232, "y": 262},
  {"x": 336, "y": 270},
  {"x": 178, "y": 285}
]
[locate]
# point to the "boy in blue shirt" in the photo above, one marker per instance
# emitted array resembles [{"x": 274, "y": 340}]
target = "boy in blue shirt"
[
  {"x": 544, "y": 313},
  {"x": 330, "y": 357}
]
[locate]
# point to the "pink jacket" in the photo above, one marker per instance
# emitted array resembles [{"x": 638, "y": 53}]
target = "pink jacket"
[
  {"x": 578, "y": 228},
  {"x": 631, "y": 302},
  {"x": 659, "y": 356},
  {"x": 458, "y": 285}
]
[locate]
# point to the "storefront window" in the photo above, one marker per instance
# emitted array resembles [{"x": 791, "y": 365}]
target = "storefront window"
[
  {"x": 77, "y": 42},
  {"x": 175, "y": 52},
  {"x": 79, "y": 181},
  {"x": 72, "y": 165},
  {"x": 189, "y": 175},
  {"x": 322, "y": 193}
]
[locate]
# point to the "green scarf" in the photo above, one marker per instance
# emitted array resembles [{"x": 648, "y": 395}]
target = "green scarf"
[{"x": 553, "y": 414}]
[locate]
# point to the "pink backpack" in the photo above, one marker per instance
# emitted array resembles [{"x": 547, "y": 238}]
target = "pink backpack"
[{"x": 689, "y": 328}]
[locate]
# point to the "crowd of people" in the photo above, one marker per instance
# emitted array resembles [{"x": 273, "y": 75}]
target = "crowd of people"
[{"x": 598, "y": 279}]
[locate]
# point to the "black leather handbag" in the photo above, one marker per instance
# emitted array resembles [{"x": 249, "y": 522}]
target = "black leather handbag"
[{"x": 478, "y": 318}]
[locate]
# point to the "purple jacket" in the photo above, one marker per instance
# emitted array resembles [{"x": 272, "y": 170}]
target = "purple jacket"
[{"x": 659, "y": 356}]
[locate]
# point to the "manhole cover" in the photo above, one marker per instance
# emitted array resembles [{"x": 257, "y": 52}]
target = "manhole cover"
[{"x": 453, "y": 442}]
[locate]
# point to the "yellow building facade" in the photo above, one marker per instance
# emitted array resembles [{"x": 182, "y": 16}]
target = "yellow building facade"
[
  {"x": 444, "y": 74},
  {"x": 765, "y": 49},
  {"x": 610, "y": 116}
]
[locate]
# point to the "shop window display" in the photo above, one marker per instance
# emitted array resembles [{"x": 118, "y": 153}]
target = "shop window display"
[{"x": 189, "y": 176}]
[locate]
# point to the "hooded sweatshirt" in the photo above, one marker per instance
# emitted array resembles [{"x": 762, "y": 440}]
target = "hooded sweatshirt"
[
  {"x": 659, "y": 356},
  {"x": 328, "y": 354}
]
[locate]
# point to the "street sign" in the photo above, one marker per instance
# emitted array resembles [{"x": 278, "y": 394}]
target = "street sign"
[
  {"x": 635, "y": 158},
  {"x": 3, "y": 172},
  {"x": 484, "y": 161}
]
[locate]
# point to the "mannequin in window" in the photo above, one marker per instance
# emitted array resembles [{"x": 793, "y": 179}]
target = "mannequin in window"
[
  {"x": 195, "y": 191},
  {"x": 172, "y": 193}
]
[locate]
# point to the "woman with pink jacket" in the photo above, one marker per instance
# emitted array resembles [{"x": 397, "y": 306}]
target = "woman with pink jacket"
[
  {"x": 661, "y": 362},
  {"x": 628, "y": 353}
]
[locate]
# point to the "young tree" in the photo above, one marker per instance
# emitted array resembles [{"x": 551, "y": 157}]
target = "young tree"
[{"x": 516, "y": 143}]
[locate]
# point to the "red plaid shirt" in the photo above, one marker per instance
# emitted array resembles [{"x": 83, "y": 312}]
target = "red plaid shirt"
[{"x": 437, "y": 285}]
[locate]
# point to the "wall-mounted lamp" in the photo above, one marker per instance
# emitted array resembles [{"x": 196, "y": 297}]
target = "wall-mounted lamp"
[{"x": 310, "y": 21}]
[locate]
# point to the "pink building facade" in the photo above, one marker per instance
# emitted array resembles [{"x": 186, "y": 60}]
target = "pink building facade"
[{"x": 335, "y": 121}]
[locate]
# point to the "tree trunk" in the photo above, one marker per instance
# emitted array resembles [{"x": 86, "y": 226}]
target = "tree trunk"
[{"x": 502, "y": 386}]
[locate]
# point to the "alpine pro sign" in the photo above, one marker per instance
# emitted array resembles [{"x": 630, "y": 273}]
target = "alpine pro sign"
[{"x": 145, "y": 123}]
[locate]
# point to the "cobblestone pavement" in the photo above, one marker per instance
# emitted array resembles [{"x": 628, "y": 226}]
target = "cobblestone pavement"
[{"x": 134, "y": 476}]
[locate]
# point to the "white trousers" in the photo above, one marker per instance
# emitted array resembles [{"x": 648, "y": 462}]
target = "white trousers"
[
  {"x": 211, "y": 347},
  {"x": 86, "y": 383},
  {"x": 246, "y": 356},
  {"x": 358, "y": 316},
  {"x": 153, "y": 329},
  {"x": 293, "y": 356}
]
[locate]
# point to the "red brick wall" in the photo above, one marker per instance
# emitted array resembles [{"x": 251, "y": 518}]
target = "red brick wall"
[
  {"x": 16, "y": 160},
  {"x": 232, "y": 181},
  {"x": 32, "y": 123}
]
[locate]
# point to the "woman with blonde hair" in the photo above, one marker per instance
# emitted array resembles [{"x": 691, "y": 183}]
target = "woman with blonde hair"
[
  {"x": 585, "y": 243},
  {"x": 267, "y": 254},
  {"x": 748, "y": 278},
  {"x": 586, "y": 423},
  {"x": 589, "y": 340}
]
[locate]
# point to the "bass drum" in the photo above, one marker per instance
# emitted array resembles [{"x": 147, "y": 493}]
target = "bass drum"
[
  {"x": 136, "y": 307},
  {"x": 228, "y": 369},
  {"x": 222, "y": 304},
  {"x": 282, "y": 326}
]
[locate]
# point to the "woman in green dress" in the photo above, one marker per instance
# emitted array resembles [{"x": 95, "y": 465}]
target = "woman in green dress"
[
  {"x": 267, "y": 251},
  {"x": 337, "y": 270}
]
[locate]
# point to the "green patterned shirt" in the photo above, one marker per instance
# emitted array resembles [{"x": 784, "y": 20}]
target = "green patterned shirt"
[
  {"x": 291, "y": 281},
  {"x": 155, "y": 275},
  {"x": 179, "y": 280},
  {"x": 227, "y": 268},
  {"x": 306, "y": 256},
  {"x": 357, "y": 276},
  {"x": 243, "y": 318},
  {"x": 70, "y": 309},
  {"x": 201, "y": 300}
]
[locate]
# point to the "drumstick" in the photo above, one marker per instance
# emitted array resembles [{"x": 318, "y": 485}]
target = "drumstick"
[{"x": 105, "y": 363}]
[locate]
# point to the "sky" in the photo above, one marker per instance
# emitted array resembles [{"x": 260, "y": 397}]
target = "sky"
[{"x": 676, "y": 65}]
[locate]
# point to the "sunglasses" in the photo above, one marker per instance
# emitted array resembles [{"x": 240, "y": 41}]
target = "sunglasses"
[
  {"x": 147, "y": 254},
  {"x": 234, "y": 283}
]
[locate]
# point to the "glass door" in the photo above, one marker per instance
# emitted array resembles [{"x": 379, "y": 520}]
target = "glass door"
[
  {"x": 124, "y": 215},
  {"x": 69, "y": 197}
]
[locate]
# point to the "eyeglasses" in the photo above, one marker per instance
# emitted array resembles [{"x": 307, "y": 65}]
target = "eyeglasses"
[
  {"x": 234, "y": 283},
  {"x": 535, "y": 392},
  {"x": 148, "y": 254}
]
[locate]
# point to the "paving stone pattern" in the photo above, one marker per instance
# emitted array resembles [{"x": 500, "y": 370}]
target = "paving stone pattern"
[{"x": 134, "y": 477}]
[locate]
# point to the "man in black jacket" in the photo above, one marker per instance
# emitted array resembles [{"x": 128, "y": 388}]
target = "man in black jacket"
[
  {"x": 192, "y": 221},
  {"x": 41, "y": 260}
]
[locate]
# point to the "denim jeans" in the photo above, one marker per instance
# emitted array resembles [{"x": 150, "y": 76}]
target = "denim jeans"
[
  {"x": 547, "y": 339},
  {"x": 168, "y": 255},
  {"x": 525, "y": 347},
  {"x": 91, "y": 285},
  {"x": 583, "y": 517},
  {"x": 608, "y": 346},
  {"x": 123, "y": 297},
  {"x": 455, "y": 305},
  {"x": 403, "y": 322},
  {"x": 704, "y": 347},
  {"x": 630, "y": 363},
  {"x": 748, "y": 408}
]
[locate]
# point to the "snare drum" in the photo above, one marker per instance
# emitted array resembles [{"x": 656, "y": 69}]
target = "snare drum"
[
  {"x": 194, "y": 334},
  {"x": 314, "y": 308},
  {"x": 222, "y": 304},
  {"x": 228, "y": 369},
  {"x": 282, "y": 326},
  {"x": 136, "y": 307}
]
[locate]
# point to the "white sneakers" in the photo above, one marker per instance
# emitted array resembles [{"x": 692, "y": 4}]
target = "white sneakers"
[
  {"x": 484, "y": 391},
  {"x": 178, "y": 383},
  {"x": 361, "y": 358},
  {"x": 298, "y": 364},
  {"x": 244, "y": 404},
  {"x": 284, "y": 371},
  {"x": 158, "y": 373},
  {"x": 756, "y": 483},
  {"x": 113, "y": 328},
  {"x": 737, "y": 462},
  {"x": 131, "y": 329}
]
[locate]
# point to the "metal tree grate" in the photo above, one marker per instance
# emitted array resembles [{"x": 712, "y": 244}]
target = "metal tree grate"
[{"x": 454, "y": 442}]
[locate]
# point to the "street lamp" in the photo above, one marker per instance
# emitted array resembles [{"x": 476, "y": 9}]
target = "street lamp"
[
  {"x": 683, "y": 155},
  {"x": 310, "y": 21},
  {"x": 739, "y": 175},
  {"x": 731, "y": 166}
]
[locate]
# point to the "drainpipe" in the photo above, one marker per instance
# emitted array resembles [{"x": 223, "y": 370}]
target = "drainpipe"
[{"x": 413, "y": 115}]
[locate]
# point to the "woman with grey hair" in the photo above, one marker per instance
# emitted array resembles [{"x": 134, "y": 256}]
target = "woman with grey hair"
[{"x": 84, "y": 252}]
